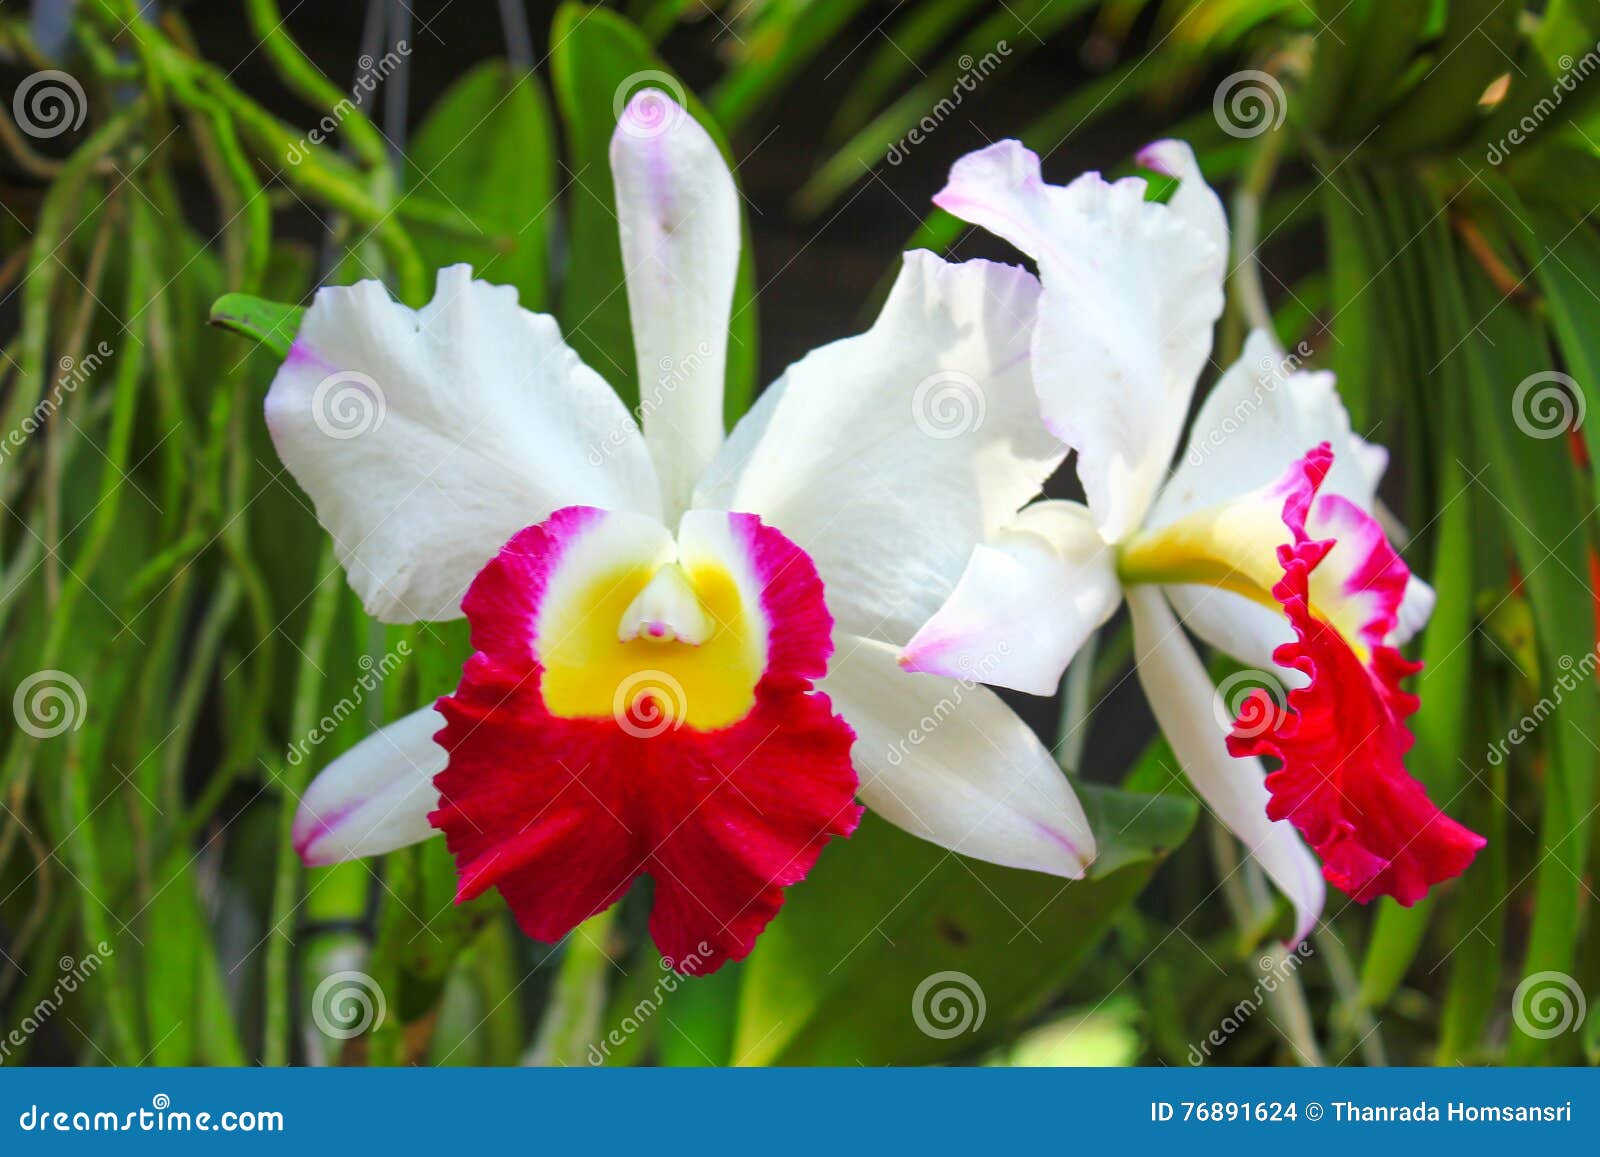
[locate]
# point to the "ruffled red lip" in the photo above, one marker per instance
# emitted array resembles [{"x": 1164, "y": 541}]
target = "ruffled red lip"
[
  {"x": 1342, "y": 739},
  {"x": 562, "y": 814}
]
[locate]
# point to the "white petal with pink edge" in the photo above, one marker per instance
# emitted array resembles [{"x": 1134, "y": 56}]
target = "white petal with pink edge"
[
  {"x": 1184, "y": 701},
  {"x": 948, "y": 761},
  {"x": 427, "y": 437},
  {"x": 375, "y": 797},
  {"x": 888, "y": 456},
  {"x": 1261, "y": 417},
  {"x": 1025, "y": 604},
  {"x": 1193, "y": 200},
  {"x": 678, "y": 214},
  {"x": 1132, "y": 290}
]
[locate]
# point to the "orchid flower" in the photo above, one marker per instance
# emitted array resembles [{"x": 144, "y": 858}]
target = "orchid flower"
[
  {"x": 684, "y": 644},
  {"x": 1262, "y": 538}
]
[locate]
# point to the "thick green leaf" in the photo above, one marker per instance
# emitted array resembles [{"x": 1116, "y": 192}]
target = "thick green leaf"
[
  {"x": 1443, "y": 106},
  {"x": 784, "y": 37},
  {"x": 487, "y": 150},
  {"x": 1551, "y": 85},
  {"x": 951, "y": 82},
  {"x": 271, "y": 323},
  {"x": 597, "y": 62},
  {"x": 184, "y": 990},
  {"x": 1546, "y": 520},
  {"x": 832, "y": 981},
  {"x": 1382, "y": 49}
]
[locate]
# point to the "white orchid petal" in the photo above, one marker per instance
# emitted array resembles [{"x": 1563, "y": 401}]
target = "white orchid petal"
[
  {"x": 1027, "y": 601},
  {"x": 888, "y": 456},
  {"x": 678, "y": 213},
  {"x": 426, "y": 438},
  {"x": 951, "y": 763},
  {"x": 1261, "y": 417},
  {"x": 1132, "y": 290},
  {"x": 375, "y": 797},
  {"x": 1184, "y": 701},
  {"x": 1194, "y": 200}
]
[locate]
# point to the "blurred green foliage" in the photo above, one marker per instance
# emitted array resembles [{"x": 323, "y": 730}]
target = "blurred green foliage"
[{"x": 1425, "y": 171}]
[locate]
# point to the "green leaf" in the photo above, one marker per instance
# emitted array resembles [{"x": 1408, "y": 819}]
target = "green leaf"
[
  {"x": 996, "y": 46},
  {"x": 184, "y": 989},
  {"x": 833, "y": 978},
  {"x": 1443, "y": 106},
  {"x": 1546, "y": 521},
  {"x": 785, "y": 36},
  {"x": 597, "y": 61},
  {"x": 271, "y": 323},
  {"x": 487, "y": 150}
]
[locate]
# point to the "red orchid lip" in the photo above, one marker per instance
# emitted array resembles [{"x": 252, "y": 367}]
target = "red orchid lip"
[
  {"x": 1342, "y": 740},
  {"x": 563, "y": 812}
]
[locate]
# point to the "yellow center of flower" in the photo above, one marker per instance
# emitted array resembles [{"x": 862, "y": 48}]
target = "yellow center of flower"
[
  {"x": 1234, "y": 547},
  {"x": 653, "y": 646}
]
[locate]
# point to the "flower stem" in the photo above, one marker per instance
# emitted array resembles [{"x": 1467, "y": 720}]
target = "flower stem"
[
  {"x": 1248, "y": 296},
  {"x": 572, "y": 1021}
]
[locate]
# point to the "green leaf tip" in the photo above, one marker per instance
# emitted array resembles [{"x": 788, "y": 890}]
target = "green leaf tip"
[{"x": 271, "y": 323}]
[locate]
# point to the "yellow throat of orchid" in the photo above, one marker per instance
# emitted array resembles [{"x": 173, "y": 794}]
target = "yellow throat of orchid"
[
  {"x": 1234, "y": 547},
  {"x": 684, "y": 636}
]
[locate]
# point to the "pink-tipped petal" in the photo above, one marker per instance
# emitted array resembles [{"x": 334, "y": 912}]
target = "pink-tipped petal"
[
  {"x": 1027, "y": 601},
  {"x": 678, "y": 214},
  {"x": 1132, "y": 290},
  {"x": 375, "y": 797}
]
